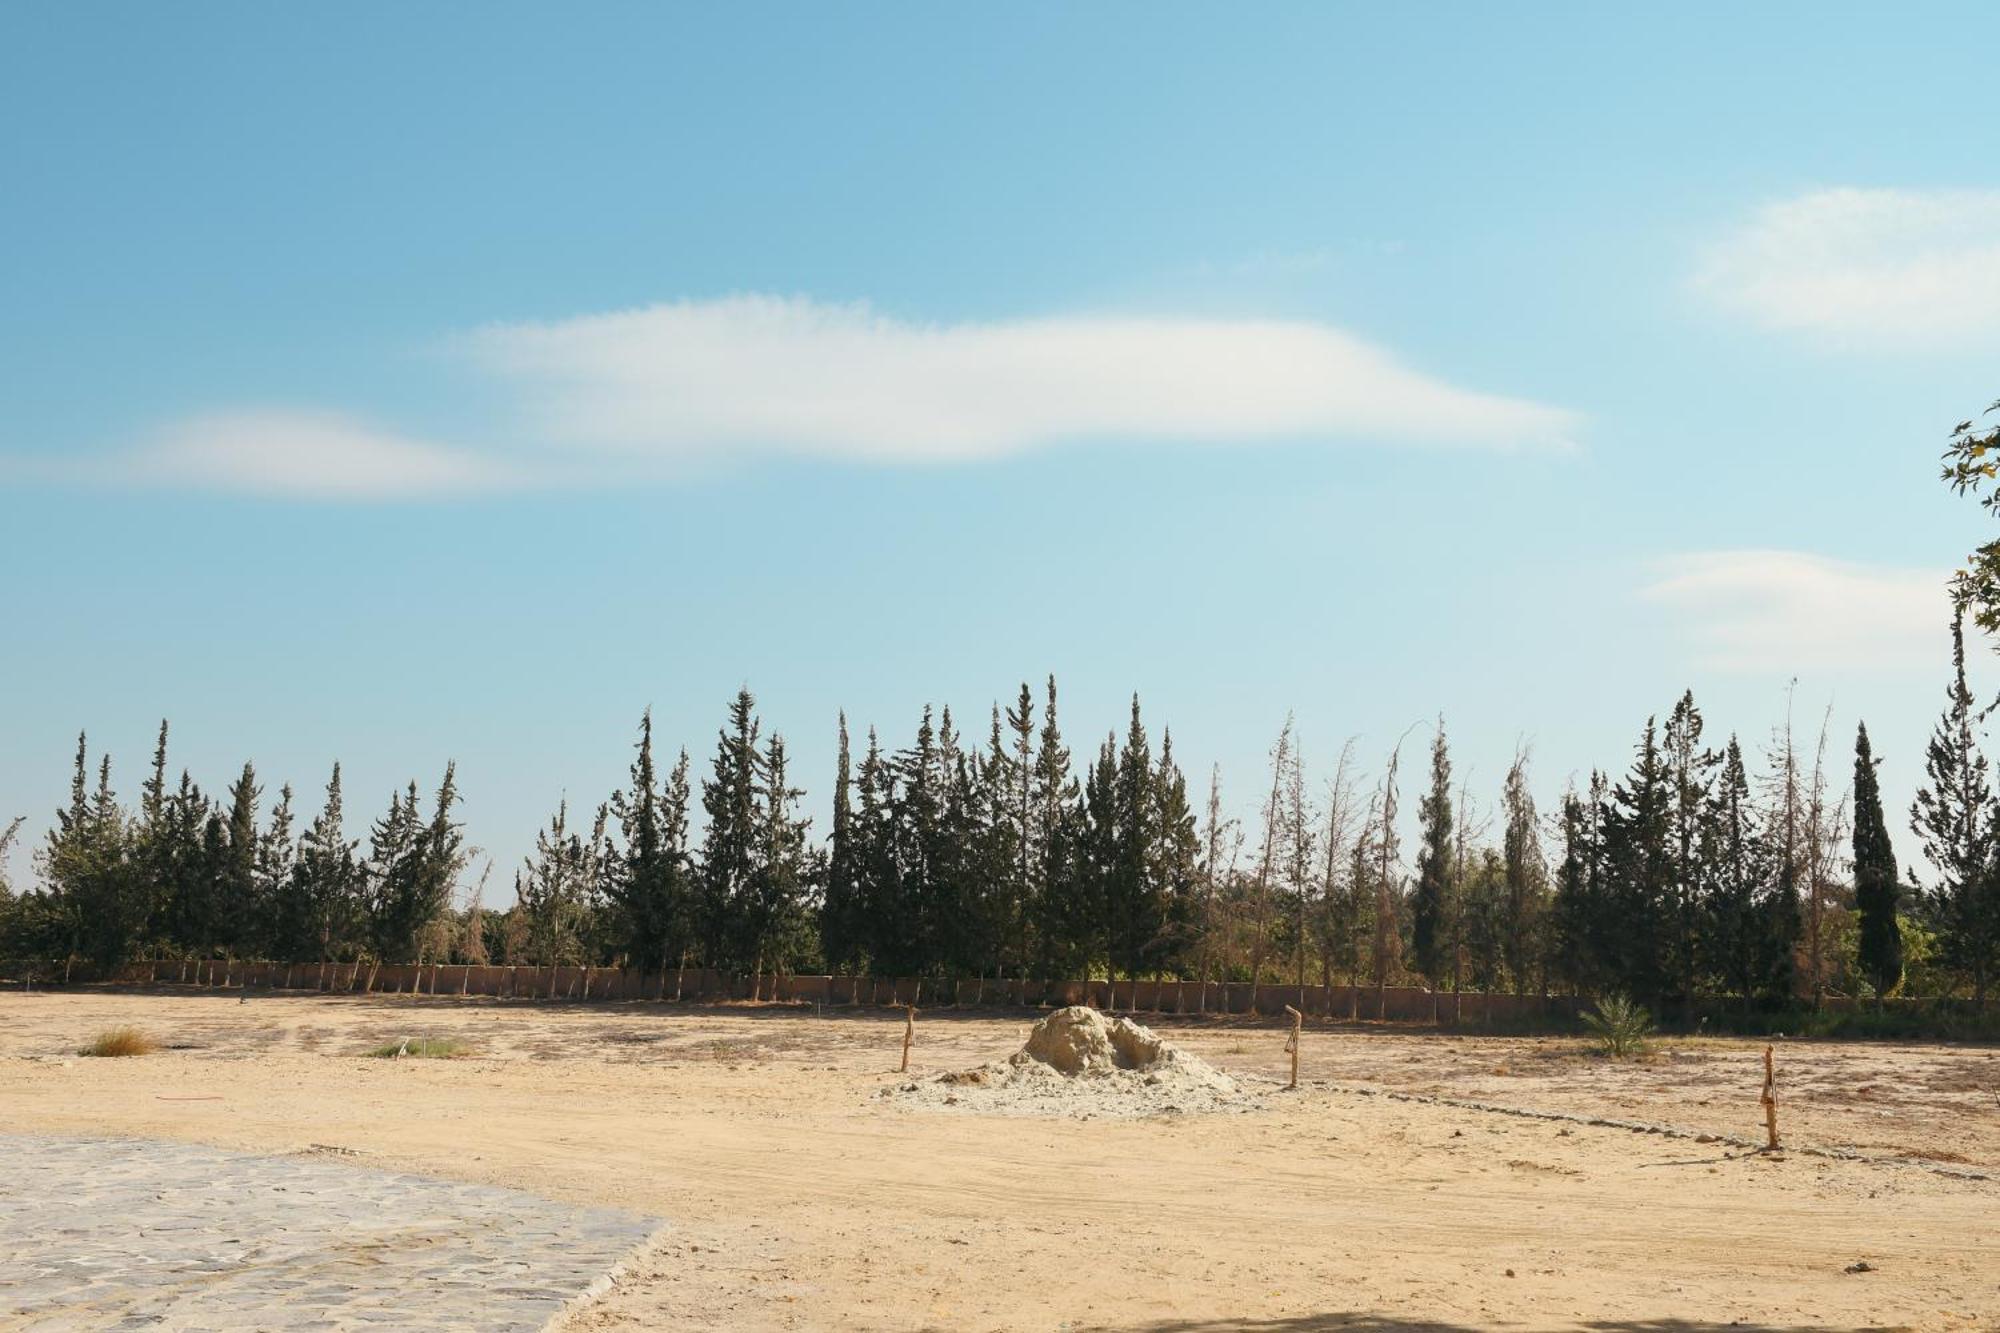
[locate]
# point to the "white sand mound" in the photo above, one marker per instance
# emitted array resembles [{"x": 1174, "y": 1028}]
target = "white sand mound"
[{"x": 1076, "y": 1062}]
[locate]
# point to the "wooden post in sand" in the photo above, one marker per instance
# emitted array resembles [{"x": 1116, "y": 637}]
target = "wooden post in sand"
[
  {"x": 1292, "y": 1045},
  {"x": 909, "y": 1035},
  {"x": 1770, "y": 1100}
]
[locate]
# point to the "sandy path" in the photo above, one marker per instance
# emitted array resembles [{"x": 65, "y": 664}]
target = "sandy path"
[{"x": 801, "y": 1201}]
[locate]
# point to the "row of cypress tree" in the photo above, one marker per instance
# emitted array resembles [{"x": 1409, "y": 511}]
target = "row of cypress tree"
[{"x": 1687, "y": 876}]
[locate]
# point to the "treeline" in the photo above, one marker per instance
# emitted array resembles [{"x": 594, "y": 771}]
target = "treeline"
[{"x": 1699, "y": 871}]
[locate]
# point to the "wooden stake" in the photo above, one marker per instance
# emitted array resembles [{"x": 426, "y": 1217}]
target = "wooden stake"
[
  {"x": 1770, "y": 1100},
  {"x": 1292, "y": 1045},
  {"x": 909, "y": 1035}
]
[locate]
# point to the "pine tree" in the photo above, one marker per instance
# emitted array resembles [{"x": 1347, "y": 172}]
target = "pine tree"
[
  {"x": 1953, "y": 817},
  {"x": 1875, "y": 887},
  {"x": 1431, "y": 906}
]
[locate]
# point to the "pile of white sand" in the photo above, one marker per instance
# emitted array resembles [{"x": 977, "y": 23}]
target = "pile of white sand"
[{"x": 1076, "y": 1062}]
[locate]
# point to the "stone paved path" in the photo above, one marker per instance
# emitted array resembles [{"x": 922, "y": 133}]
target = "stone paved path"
[{"x": 133, "y": 1234}]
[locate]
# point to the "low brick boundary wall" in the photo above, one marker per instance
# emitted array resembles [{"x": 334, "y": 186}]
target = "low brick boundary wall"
[{"x": 1411, "y": 1004}]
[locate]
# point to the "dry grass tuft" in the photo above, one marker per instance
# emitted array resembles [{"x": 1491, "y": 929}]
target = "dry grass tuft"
[{"x": 120, "y": 1041}]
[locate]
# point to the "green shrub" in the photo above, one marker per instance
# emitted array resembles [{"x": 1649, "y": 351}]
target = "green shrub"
[
  {"x": 1620, "y": 1026},
  {"x": 421, "y": 1048}
]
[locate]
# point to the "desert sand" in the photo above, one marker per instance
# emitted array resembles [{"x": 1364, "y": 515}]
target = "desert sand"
[{"x": 800, "y": 1197}]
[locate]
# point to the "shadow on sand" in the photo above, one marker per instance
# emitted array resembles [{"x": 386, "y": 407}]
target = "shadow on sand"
[{"x": 1361, "y": 1322}]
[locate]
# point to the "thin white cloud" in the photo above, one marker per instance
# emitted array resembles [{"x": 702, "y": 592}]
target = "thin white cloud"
[
  {"x": 1874, "y": 265},
  {"x": 632, "y": 395},
  {"x": 305, "y": 455},
  {"x": 1790, "y": 611},
  {"x": 758, "y": 373}
]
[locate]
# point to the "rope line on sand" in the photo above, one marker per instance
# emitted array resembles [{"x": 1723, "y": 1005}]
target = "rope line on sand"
[{"x": 1646, "y": 1127}]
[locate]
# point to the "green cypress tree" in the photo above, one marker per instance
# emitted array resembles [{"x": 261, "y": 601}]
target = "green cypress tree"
[
  {"x": 239, "y": 905},
  {"x": 1482, "y": 918},
  {"x": 1078, "y": 926},
  {"x": 1135, "y": 893},
  {"x": 774, "y": 911},
  {"x": 441, "y": 859},
  {"x": 181, "y": 870},
  {"x": 330, "y": 883},
  {"x": 878, "y": 871},
  {"x": 647, "y": 878},
  {"x": 993, "y": 871},
  {"x": 552, "y": 890},
  {"x": 1024, "y": 880},
  {"x": 98, "y": 903},
  {"x": 1690, "y": 775},
  {"x": 276, "y": 852},
  {"x": 15, "y": 932},
  {"x": 1526, "y": 887},
  {"x": 839, "y": 928},
  {"x": 1731, "y": 859},
  {"x": 917, "y": 814},
  {"x": 729, "y": 798},
  {"x": 1580, "y": 909},
  {"x": 1175, "y": 861},
  {"x": 1875, "y": 887},
  {"x": 1431, "y": 908},
  {"x": 1634, "y": 925},
  {"x": 953, "y": 909},
  {"x": 1953, "y": 817},
  {"x": 1057, "y": 797}
]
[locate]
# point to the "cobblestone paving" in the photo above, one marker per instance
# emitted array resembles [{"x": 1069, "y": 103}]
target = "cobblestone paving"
[{"x": 131, "y": 1234}]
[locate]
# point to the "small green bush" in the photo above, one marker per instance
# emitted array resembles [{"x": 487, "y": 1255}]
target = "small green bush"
[
  {"x": 1620, "y": 1026},
  {"x": 421, "y": 1048}
]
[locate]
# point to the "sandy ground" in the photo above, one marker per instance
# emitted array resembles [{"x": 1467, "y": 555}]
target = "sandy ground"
[{"x": 800, "y": 1199}]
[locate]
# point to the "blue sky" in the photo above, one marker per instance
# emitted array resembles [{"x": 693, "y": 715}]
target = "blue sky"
[{"x": 399, "y": 383}]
